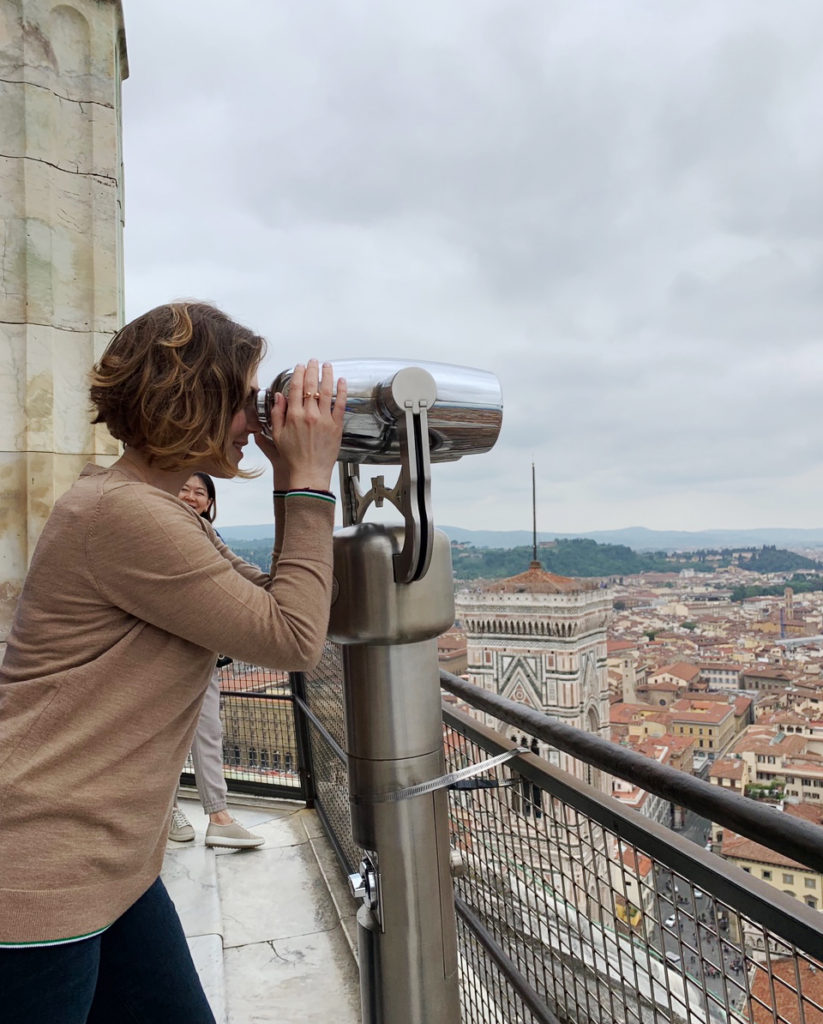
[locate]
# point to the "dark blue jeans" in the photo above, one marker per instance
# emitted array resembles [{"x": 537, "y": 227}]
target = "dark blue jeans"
[{"x": 138, "y": 970}]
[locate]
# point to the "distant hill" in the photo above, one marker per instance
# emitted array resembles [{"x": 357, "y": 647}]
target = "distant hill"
[
  {"x": 262, "y": 532},
  {"x": 581, "y": 556},
  {"x": 638, "y": 538}
]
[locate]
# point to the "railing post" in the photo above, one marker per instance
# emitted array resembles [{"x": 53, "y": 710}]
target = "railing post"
[
  {"x": 305, "y": 764},
  {"x": 407, "y": 928}
]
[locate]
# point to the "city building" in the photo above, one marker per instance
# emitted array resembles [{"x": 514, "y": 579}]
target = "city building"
[
  {"x": 451, "y": 651},
  {"x": 540, "y": 639},
  {"x": 788, "y": 765},
  {"x": 730, "y": 773},
  {"x": 720, "y": 676},
  {"x": 782, "y": 872},
  {"x": 762, "y": 678},
  {"x": 672, "y": 678},
  {"x": 651, "y": 805},
  {"x": 709, "y": 722}
]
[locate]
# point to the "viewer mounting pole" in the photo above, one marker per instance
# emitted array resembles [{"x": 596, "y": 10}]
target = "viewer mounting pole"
[{"x": 394, "y": 595}]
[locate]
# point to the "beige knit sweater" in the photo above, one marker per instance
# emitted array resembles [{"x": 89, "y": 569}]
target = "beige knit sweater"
[{"x": 129, "y": 596}]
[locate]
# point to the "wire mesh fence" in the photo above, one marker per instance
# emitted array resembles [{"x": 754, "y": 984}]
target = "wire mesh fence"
[
  {"x": 324, "y": 700},
  {"x": 599, "y": 923},
  {"x": 570, "y": 907}
]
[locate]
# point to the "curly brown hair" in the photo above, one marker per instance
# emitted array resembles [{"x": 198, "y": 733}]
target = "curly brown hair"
[{"x": 170, "y": 382}]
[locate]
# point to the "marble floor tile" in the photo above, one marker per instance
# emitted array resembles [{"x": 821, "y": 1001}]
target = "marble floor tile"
[
  {"x": 264, "y": 925},
  {"x": 345, "y": 904},
  {"x": 311, "y": 979},
  {"x": 272, "y": 893},
  {"x": 190, "y": 876},
  {"x": 207, "y": 954},
  {"x": 329, "y": 867}
]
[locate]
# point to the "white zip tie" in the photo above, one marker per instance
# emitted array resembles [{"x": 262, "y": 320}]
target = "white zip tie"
[{"x": 444, "y": 780}]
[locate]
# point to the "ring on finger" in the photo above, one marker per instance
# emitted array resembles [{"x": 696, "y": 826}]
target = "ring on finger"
[{"x": 311, "y": 394}]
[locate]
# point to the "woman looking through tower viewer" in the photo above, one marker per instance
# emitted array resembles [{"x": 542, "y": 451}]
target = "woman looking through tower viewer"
[{"x": 128, "y": 598}]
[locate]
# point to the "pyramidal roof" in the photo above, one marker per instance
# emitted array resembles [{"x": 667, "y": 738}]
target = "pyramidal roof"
[{"x": 536, "y": 580}]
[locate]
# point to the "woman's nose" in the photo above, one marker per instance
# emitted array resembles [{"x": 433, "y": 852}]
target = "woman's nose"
[{"x": 252, "y": 421}]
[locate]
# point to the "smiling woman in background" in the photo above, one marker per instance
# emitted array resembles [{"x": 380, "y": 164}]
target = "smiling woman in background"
[
  {"x": 199, "y": 493},
  {"x": 128, "y": 598}
]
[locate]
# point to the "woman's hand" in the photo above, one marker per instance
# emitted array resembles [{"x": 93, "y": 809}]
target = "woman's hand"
[{"x": 307, "y": 429}]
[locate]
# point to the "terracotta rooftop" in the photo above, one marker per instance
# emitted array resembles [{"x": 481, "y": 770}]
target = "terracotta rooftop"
[
  {"x": 697, "y": 711},
  {"x": 812, "y": 764},
  {"x": 637, "y": 862},
  {"x": 613, "y": 646},
  {"x": 740, "y": 704},
  {"x": 681, "y": 669},
  {"x": 726, "y": 768},
  {"x": 451, "y": 642},
  {"x": 622, "y": 714},
  {"x": 806, "y": 810},
  {"x": 741, "y": 848},
  {"x": 754, "y": 743},
  {"x": 782, "y": 999},
  {"x": 784, "y": 718},
  {"x": 536, "y": 580},
  {"x": 678, "y": 744},
  {"x": 768, "y": 672},
  {"x": 655, "y": 747}
]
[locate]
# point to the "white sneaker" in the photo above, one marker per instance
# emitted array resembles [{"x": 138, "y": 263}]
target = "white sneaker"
[{"x": 181, "y": 829}]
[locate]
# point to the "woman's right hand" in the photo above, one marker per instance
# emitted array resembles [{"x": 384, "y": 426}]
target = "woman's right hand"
[{"x": 308, "y": 427}]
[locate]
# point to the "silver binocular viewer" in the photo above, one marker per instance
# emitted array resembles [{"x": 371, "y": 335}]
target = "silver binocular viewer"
[
  {"x": 407, "y": 413},
  {"x": 464, "y": 408}
]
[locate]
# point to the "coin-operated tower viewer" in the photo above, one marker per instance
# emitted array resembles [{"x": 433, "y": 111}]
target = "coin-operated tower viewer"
[{"x": 394, "y": 595}]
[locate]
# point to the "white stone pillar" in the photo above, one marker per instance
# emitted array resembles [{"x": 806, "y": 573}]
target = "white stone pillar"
[{"x": 61, "y": 276}]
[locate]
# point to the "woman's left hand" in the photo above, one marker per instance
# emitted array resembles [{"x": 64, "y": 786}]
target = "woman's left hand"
[{"x": 307, "y": 429}]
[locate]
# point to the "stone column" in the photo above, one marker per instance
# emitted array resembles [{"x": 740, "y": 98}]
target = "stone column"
[{"x": 61, "y": 278}]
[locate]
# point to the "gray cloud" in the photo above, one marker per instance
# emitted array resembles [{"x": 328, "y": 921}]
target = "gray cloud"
[{"x": 616, "y": 208}]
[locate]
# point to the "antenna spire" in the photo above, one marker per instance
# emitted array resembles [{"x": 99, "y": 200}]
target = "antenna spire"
[{"x": 535, "y": 564}]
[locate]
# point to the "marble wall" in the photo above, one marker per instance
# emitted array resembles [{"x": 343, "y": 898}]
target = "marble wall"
[{"x": 61, "y": 265}]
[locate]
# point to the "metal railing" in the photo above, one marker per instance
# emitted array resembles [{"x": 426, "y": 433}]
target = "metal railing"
[
  {"x": 572, "y": 907},
  {"x": 603, "y": 915},
  {"x": 263, "y": 744}
]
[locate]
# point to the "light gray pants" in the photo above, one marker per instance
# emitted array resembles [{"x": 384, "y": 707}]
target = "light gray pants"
[{"x": 207, "y": 751}]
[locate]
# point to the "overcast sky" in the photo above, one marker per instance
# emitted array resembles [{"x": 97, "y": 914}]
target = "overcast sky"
[{"x": 616, "y": 207}]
